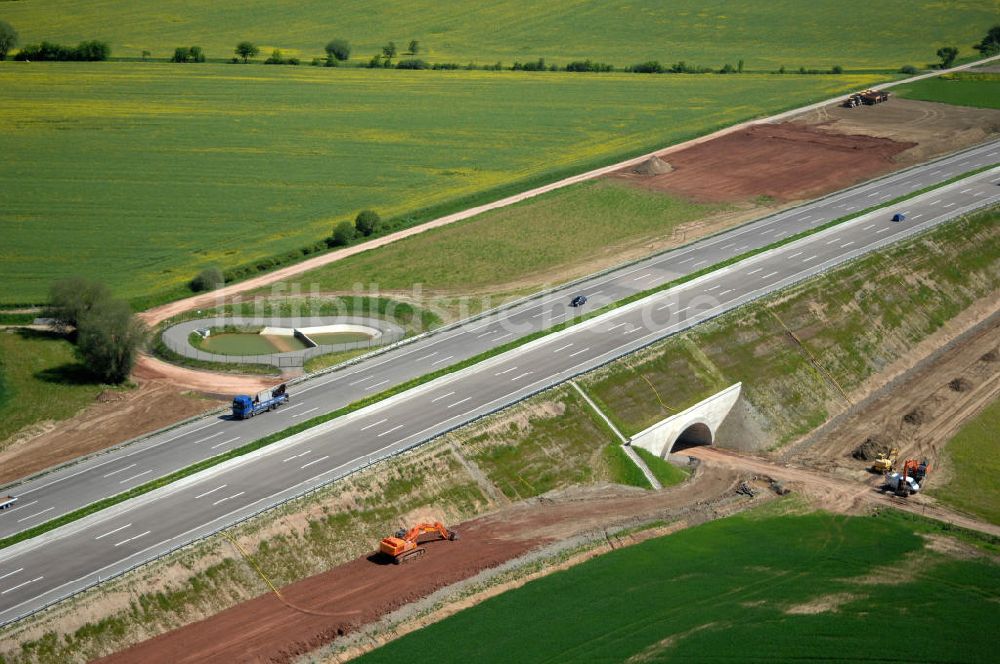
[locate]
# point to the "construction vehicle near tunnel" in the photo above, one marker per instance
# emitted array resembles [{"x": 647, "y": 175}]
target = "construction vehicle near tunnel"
[
  {"x": 245, "y": 407},
  {"x": 405, "y": 546},
  {"x": 885, "y": 461},
  {"x": 908, "y": 481}
]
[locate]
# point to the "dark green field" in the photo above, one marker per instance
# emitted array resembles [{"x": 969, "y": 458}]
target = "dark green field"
[
  {"x": 758, "y": 587},
  {"x": 962, "y": 89}
]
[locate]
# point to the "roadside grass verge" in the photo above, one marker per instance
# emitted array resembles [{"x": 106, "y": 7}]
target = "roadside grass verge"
[
  {"x": 969, "y": 88},
  {"x": 854, "y": 320},
  {"x": 555, "y": 235},
  {"x": 667, "y": 473},
  {"x": 555, "y": 443},
  {"x": 975, "y": 464},
  {"x": 622, "y": 469},
  {"x": 811, "y": 419},
  {"x": 737, "y": 587},
  {"x": 40, "y": 380},
  {"x": 467, "y": 138}
]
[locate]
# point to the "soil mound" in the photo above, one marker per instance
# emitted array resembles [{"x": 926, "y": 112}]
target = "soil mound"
[
  {"x": 109, "y": 396},
  {"x": 915, "y": 416},
  {"x": 871, "y": 448},
  {"x": 960, "y": 384},
  {"x": 653, "y": 166},
  {"x": 990, "y": 356}
]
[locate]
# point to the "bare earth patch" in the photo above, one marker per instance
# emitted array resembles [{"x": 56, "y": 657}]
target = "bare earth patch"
[
  {"x": 824, "y": 604},
  {"x": 105, "y": 423},
  {"x": 820, "y": 151}
]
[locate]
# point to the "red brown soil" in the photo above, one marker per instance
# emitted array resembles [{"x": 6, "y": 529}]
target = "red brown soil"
[
  {"x": 787, "y": 162},
  {"x": 148, "y": 367},
  {"x": 267, "y": 630},
  {"x": 107, "y": 422}
]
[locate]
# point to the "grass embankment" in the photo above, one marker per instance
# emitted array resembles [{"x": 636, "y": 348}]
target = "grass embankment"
[
  {"x": 517, "y": 249},
  {"x": 546, "y": 443},
  {"x": 40, "y": 380},
  {"x": 852, "y": 33},
  {"x": 758, "y": 586},
  {"x": 463, "y": 139},
  {"x": 854, "y": 320},
  {"x": 972, "y": 455},
  {"x": 667, "y": 473},
  {"x": 980, "y": 89}
]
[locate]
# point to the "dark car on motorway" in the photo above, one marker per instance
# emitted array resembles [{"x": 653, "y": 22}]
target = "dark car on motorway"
[{"x": 578, "y": 301}]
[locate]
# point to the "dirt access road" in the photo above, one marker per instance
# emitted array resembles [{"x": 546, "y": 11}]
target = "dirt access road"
[
  {"x": 919, "y": 413},
  {"x": 357, "y": 593}
]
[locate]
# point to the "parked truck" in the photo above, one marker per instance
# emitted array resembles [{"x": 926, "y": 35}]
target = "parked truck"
[
  {"x": 6, "y": 502},
  {"x": 245, "y": 406}
]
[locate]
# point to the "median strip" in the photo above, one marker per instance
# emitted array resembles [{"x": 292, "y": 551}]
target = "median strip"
[{"x": 458, "y": 366}]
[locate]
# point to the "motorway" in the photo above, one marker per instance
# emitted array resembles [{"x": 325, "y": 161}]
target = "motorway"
[{"x": 36, "y": 572}]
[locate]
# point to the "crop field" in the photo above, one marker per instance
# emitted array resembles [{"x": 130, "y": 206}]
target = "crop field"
[
  {"x": 963, "y": 89},
  {"x": 140, "y": 174},
  {"x": 973, "y": 460},
  {"x": 814, "y": 587},
  {"x": 767, "y": 35}
]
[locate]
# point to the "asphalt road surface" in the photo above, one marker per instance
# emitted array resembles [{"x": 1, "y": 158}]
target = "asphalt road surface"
[{"x": 44, "y": 569}]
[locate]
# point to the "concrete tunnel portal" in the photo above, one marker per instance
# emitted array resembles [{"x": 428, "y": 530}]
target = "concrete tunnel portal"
[
  {"x": 693, "y": 427},
  {"x": 694, "y": 435}
]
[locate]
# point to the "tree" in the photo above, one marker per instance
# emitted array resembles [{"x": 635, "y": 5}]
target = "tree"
[
  {"x": 367, "y": 222},
  {"x": 246, "y": 50},
  {"x": 947, "y": 55},
  {"x": 108, "y": 339},
  {"x": 343, "y": 234},
  {"x": 8, "y": 38},
  {"x": 338, "y": 49},
  {"x": 92, "y": 51},
  {"x": 389, "y": 50},
  {"x": 71, "y": 299},
  {"x": 208, "y": 279},
  {"x": 145, "y": 54},
  {"x": 739, "y": 66},
  {"x": 990, "y": 45},
  {"x": 413, "y": 47},
  {"x": 195, "y": 54}
]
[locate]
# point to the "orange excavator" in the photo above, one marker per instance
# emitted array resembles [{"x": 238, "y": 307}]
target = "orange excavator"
[{"x": 405, "y": 546}]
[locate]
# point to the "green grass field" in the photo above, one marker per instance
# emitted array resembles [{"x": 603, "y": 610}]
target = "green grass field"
[
  {"x": 140, "y": 174},
  {"x": 853, "y": 33},
  {"x": 754, "y": 587},
  {"x": 553, "y": 236},
  {"x": 973, "y": 458},
  {"x": 962, "y": 89},
  {"x": 40, "y": 379}
]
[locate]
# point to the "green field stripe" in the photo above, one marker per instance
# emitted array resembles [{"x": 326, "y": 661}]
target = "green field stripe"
[{"x": 415, "y": 382}]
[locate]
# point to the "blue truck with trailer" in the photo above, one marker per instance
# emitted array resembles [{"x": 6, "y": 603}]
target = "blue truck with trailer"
[{"x": 245, "y": 406}]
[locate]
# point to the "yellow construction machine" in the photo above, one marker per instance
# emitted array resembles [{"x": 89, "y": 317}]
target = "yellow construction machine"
[
  {"x": 884, "y": 462},
  {"x": 405, "y": 546}
]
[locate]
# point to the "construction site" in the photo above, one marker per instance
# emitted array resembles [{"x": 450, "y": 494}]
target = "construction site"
[{"x": 853, "y": 385}]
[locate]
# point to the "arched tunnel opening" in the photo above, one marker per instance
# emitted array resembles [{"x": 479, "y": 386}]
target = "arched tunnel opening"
[{"x": 696, "y": 434}]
